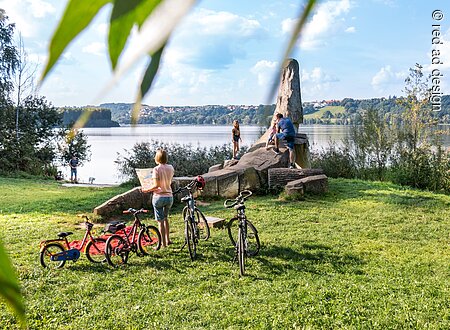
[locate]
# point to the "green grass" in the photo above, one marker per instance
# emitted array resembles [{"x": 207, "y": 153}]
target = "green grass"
[
  {"x": 332, "y": 108},
  {"x": 364, "y": 256}
]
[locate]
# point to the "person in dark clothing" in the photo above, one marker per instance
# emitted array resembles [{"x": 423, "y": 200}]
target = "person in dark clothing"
[
  {"x": 73, "y": 163},
  {"x": 236, "y": 137},
  {"x": 286, "y": 132}
]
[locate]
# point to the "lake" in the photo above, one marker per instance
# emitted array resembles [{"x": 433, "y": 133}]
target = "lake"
[{"x": 107, "y": 142}]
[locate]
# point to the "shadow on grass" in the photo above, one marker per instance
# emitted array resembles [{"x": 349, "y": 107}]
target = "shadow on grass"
[
  {"x": 313, "y": 258},
  {"x": 385, "y": 192}
]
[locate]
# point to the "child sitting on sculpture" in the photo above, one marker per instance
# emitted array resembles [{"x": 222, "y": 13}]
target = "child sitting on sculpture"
[{"x": 273, "y": 131}]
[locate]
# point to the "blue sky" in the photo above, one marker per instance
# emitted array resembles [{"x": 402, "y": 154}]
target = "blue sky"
[{"x": 226, "y": 52}]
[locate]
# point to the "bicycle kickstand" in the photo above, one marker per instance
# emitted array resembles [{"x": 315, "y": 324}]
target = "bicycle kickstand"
[{"x": 185, "y": 242}]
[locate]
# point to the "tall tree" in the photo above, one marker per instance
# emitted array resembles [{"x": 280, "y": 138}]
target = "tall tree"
[
  {"x": 9, "y": 288},
  {"x": 23, "y": 78},
  {"x": 417, "y": 118},
  {"x": 8, "y": 55}
]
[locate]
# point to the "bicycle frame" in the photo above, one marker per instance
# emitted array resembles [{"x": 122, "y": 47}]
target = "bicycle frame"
[
  {"x": 192, "y": 224},
  {"x": 66, "y": 242},
  {"x": 132, "y": 243},
  {"x": 243, "y": 224},
  {"x": 59, "y": 250},
  {"x": 242, "y": 244}
]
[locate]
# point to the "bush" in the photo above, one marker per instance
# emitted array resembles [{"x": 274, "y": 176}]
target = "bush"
[
  {"x": 186, "y": 159},
  {"x": 335, "y": 161},
  {"x": 423, "y": 169}
]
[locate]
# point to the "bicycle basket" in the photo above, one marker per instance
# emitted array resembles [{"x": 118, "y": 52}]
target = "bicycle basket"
[{"x": 113, "y": 227}]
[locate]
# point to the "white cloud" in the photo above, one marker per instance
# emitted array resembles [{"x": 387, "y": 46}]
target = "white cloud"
[
  {"x": 350, "y": 29},
  {"x": 325, "y": 21},
  {"x": 102, "y": 29},
  {"x": 265, "y": 71},
  {"x": 316, "y": 83},
  {"x": 26, "y": 13},
  {"x": 389, "y": 3},
  {"x": 220, "y": 23},
  {"x": 95, "y": 48},
  {"x": 215, "y": 39},
  {"x": 386, "y": 77},
  {"x": 40, "y": 8}
]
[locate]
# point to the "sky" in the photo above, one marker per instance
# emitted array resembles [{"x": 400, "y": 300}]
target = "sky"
[{"x": 227, "y": 52}]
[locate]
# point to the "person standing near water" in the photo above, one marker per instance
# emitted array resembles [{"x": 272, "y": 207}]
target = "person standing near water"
[
  {"x": 162, "y": 193},
  {"x": 73, "y": 163},
  {"x": 236, "y": 137}
]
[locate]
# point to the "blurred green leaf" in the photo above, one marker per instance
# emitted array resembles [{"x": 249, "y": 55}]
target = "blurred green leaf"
[
  {"x": 77, "y": 16},
  {"x": 151, "y": 71},
  {"x": 146, "y": 82},
  {"x": 154, "y": 33},
  {"x": 303, "y": 17},
  {"x": 9, "y": 287},
  {"x": 125, "y": 14}
]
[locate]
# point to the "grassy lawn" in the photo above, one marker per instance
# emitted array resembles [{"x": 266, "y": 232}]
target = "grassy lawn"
[
  {"x": 332, "y": 108},
  {"x": 365, "y": 256}
]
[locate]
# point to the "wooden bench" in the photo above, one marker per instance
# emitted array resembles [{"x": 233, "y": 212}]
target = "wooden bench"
[{"x": 214, "y": 222}]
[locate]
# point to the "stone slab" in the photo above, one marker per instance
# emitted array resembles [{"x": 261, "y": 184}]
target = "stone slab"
[{"x": 214, "y": 222}]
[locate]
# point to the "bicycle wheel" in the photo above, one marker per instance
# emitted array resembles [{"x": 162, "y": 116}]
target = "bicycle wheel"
[
  {"x": 202, "y": 225},
  {"x": 95, "y": 250},
  {"x": 46, "y": 254},
  {"x": 253, "y": 244},
  {"x": 241, "y": 252},
  {"x": 149, "y": 239},
  {"x": 116, "y": 251},
  {"x": 189, "y": 236}
]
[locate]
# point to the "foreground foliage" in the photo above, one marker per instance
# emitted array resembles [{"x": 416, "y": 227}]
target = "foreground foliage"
[
  {"x": 366, "y": 255},
  {"x": 187, "y": 159}
]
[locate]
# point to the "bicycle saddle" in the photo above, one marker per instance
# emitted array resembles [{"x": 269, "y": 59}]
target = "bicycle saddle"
[
  {"x": 64, "y": 234},
  {"x": 186, "y": 198}
]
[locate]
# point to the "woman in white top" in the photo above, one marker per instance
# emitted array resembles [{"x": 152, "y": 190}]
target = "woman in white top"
[{"x": 162, "y": 193}]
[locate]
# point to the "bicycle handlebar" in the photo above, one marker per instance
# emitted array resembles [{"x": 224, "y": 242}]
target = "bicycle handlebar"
[
  {"x": 188, "y": 187},
  {"x": 134, "y": 211},
  {"x": 243, "y": 195}
]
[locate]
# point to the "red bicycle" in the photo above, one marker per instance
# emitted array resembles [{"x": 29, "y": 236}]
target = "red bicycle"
[
  {"x": 126, "y": 239},
  {"x": 55, "y": 252}
]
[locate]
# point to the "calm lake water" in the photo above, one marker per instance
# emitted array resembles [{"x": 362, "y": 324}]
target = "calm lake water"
[{"x": 107, "y": 142}]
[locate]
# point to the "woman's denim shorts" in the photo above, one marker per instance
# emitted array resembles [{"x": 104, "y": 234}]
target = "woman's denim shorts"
[{"x": 162, "y": 205}]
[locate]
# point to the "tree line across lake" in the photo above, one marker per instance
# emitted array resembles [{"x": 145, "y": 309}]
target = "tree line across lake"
[{"x": 336, "y": 112}]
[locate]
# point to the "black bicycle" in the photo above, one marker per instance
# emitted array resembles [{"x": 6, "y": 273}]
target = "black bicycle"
[
  {"x": 242, "y": 233},
  {"x": 195, "y": 224},
  {"x": 128, "y": 239}
]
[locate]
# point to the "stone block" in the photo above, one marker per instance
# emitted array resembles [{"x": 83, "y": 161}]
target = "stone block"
[
  {"x": 279, "y": 177},
  {"x": 215, "y": 168},
  {"x": 249, "y": 179},
  {"x": 294, "y": 187},
  {"x": 316, "y": 184},
  {"x": 133, "y": 198},
  {"x": 228, "y": 185}
]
